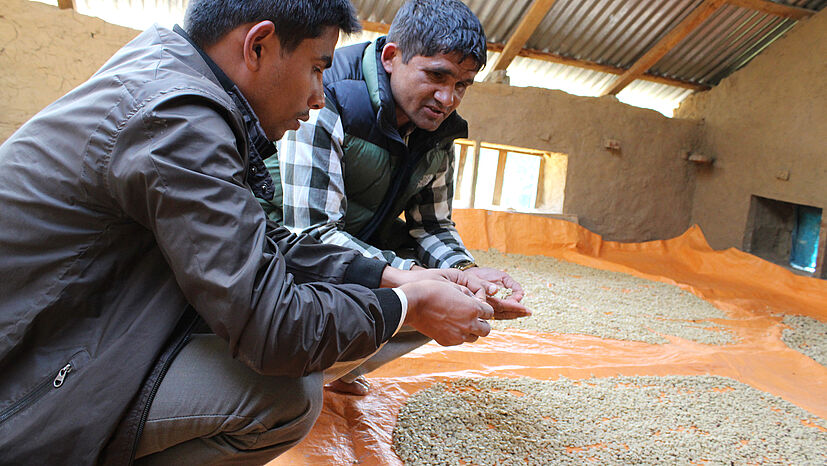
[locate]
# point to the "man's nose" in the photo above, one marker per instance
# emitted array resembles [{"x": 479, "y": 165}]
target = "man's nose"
[
  {"x": 445, "y": 96},
  {"x": 316, "y": 100}
]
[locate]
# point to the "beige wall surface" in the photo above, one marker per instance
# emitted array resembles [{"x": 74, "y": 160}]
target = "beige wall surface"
[
  {"x": 46, "y": 52},
  {"x": 641, "y": 192},
  {"x": 767, "y": 118}
]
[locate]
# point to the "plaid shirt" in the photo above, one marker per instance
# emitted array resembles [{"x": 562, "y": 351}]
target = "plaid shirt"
[{"x": 315, "y": 202}]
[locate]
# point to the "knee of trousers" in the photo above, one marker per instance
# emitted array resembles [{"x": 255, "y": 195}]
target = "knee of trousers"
[
  {"x": 290, "y": 420},
  {"x": 310, "y": 389}
]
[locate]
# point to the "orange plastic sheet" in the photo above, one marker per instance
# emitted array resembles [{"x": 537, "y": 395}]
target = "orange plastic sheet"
[{"x": 353, "y": 430}]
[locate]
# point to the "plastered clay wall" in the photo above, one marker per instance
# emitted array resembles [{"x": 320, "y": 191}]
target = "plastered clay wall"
[
  {"x": 762, "y": 121},
  {"x": 641, "y": 192},
  {"x": 44, "y": 53}
]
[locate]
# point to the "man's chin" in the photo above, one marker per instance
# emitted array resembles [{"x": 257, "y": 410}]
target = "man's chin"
[
  {"x": 428, "y": 124},
  {"x": 275, "y": 135}
]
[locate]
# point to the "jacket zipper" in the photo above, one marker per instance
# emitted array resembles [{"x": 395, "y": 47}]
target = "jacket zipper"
[
  {"x": 157, "y": 384},
  {"x": 39, "y": 391}
]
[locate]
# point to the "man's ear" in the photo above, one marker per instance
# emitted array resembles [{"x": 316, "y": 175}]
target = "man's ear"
[
  {"x": 390, "y": 50},
  {"x": 260, "y": 39}
]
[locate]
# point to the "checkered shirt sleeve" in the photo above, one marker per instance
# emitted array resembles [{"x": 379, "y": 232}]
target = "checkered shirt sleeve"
[
  {"x": 428, "y": 217},
  {"x": 310, "y": 160}
]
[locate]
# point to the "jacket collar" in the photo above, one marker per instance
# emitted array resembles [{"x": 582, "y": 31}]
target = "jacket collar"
[{"x": 260, "y": 148}]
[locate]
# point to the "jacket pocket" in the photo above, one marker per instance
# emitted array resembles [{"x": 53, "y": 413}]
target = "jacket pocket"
[{"x": 52, "y": 382}]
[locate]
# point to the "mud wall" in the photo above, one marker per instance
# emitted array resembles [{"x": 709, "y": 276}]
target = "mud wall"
[
  {"x": 44, "y": 53},
  {"x": 766, "y": 126},
  {"x": 641, "y": 192}
]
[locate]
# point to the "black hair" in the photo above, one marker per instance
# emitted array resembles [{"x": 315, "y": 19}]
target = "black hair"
[
  {"x": 429, "y": 27},
  {"x": 207, "y": 21}
]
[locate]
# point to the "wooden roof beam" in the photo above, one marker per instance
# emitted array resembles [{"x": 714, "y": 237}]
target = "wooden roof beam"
[
  {"x": 775, "y": 9},
  {"x": 669, "y": 41},
  {"x": 535, "y": 14}
]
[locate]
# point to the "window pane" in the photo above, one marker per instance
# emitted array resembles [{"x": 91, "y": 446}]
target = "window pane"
[
  {"x": 486, "y": 176},
  {"x": 522, "y": 172}
]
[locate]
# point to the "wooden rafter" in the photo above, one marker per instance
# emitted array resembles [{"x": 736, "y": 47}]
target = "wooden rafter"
[
  {"x": 535, "y": 14},
  {"x": 667, "y": 43},
  {"x": 775, "y": 9}
]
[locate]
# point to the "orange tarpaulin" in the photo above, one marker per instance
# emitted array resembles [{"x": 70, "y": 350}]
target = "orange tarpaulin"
[{"x": 753, "y": 292}]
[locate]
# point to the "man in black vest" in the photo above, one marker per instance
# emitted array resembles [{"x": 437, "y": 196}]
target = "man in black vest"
[{"x": 383, "y": 146}]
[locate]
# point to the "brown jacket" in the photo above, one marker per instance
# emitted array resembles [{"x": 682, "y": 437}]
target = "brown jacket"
[{"x": 122, "y": 205}]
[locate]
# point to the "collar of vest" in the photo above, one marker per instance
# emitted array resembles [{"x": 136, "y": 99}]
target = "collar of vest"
[{"x": 371, "y": 69}]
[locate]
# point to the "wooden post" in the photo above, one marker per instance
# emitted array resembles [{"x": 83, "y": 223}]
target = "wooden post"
[
  {"x": 65, "y": 4},
  {"x": 474, "y": 175},
  {"x": 463, "y": 152},
  {"x": 541, "y": 182},
  {"x": 498, "y": 181},
  {"x": 821, "y": 267}
]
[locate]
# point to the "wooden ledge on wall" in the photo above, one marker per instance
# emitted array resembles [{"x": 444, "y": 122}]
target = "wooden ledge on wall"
[{"x": 700, "y": 159}]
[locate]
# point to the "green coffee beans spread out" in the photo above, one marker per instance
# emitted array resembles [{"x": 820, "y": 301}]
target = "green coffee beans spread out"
[
  {"x": 571, "y": 298},
  {"x": 619, "y": 420},
  {"x": 808, "y": 336}
]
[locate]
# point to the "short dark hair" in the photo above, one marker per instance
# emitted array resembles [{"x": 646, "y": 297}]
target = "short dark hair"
[
  {"x": 429, "y": 27},
  {"x": 207, "y": 21}
]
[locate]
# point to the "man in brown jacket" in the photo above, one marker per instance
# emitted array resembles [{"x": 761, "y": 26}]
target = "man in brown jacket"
[{"x": 147, "y": 308}]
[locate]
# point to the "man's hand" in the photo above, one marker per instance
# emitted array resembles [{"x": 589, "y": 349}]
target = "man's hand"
[
  {"x": 482, "y": 288},
  {"x": 447, "y": 312},
  {"x": 392, "y": 278},
  {"x": 509, "y": 308}
]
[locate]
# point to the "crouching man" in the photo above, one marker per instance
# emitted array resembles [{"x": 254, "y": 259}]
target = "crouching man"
[{"x": 147, "y": 308}]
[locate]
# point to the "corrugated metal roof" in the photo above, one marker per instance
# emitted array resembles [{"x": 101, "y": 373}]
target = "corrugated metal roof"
[
  {"x": 604, "y": 32},
  {"x": 724, "y": 43}
]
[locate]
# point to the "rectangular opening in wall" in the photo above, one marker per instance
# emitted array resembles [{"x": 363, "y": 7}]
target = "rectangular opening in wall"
[
  {"x": 499, "y": 177},
  {"x": 785, "y": 233}
]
